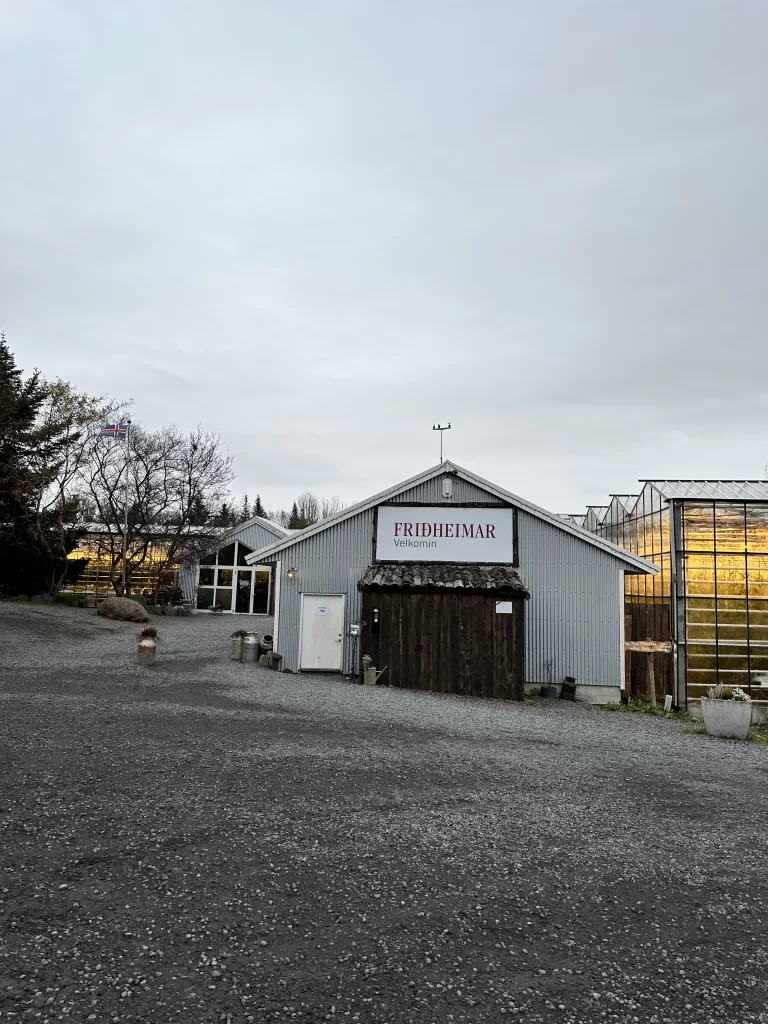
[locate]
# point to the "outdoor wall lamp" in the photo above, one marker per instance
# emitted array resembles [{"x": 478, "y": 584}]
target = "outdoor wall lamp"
[
  {"x": 375, "y": 614},
  {"x": 292, "y": 573}
]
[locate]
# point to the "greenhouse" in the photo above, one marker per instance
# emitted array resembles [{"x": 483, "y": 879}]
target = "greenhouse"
[
  {"x": 709, "y": 539},
  {"x": 102, "y": 551}
]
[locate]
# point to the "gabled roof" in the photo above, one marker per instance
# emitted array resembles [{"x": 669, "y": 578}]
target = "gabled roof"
[
  {"x": 463, "y": 474},
  {"x": 627, "y": 501},
  {"x": 598, "y": 511},
  {"x": 712, "y": 490},
  {"x": 232, "y": 532},
  {"x": 276, "y": 528}
]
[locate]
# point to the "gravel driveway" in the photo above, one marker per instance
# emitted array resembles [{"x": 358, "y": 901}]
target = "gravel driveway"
[{"x": 208, "y": 841}]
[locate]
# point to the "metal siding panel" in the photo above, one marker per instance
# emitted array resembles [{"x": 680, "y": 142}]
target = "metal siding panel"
[
  {"x": 330, "y": 562},
  {"x": 333, "y": 562},
  {"x": 432, "y": 491},
  {"x": 574, "y": 613},
  {"x": 188, "y": 580},
  {"x": 255, "y": 536}
]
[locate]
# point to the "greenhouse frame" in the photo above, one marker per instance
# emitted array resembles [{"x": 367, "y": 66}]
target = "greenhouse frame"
[{"x": 709, "y": 539}]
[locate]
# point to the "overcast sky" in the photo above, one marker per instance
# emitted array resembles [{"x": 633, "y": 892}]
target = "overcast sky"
[{"x": 319, "y": 227}]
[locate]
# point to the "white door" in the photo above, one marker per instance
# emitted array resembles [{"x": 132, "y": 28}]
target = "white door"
[{"x": 322, "y": 632}]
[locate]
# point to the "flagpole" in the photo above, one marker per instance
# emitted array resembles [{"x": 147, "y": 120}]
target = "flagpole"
[{"x": 125, "y": 516}]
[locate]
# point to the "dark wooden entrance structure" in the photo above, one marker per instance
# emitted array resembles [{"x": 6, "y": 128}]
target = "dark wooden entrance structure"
[{"x": 446, "y": 628}]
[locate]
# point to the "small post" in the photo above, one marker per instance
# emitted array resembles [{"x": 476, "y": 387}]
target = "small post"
[
  {"x": 441, "y": 428},
  {"x": 652, "y": 680},
  {"x": 125, "y": 516}
]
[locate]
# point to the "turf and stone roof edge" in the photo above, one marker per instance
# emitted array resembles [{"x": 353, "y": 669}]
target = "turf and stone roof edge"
[
  {"x": 468, "y": 578},
  {"x": 452, "y": 468}
]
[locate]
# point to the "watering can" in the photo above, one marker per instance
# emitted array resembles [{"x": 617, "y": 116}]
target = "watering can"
[{"x": 371, "y": 676}]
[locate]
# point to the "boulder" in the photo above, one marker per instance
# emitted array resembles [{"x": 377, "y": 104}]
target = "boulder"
[{"x": 122, "y": 608}]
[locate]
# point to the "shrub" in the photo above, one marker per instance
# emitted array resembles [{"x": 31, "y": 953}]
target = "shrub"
[{"x": 721, "y": 692}]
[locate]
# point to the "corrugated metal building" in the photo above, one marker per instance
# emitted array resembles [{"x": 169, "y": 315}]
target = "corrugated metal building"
[
  {"x": 574, "y": 621},
  {"x": 223, "y": 580}
]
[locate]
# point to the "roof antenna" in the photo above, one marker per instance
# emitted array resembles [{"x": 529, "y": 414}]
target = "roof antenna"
[{"x": 441, "y": 428}]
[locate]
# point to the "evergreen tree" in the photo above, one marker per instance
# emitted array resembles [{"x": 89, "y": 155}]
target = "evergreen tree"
[
  {"x": 258, "y": 509},
  {"x": 20, "y": 402},
  {"x": 225, "y": 516},
  {"x": 294, "y": 520},
  {"x": 33, "y": 447},
  {"x": 245, "y": 511},
  {"x": 198, "y": 513}
]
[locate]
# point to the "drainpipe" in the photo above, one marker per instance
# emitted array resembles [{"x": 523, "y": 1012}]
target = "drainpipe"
[{"x": 678, "y": 687}]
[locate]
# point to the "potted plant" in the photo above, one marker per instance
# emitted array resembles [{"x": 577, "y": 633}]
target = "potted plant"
[
  {"x": 236, "y": 650},
  {"x": 147, "y": 645},
  {"x": 727, "y": 712}
]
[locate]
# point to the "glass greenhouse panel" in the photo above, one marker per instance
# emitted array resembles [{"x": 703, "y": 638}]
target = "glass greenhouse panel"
[{"x": 699, "y": 528}]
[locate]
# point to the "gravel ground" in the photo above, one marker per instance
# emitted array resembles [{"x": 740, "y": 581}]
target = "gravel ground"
[{"x": 208, "y": 841}]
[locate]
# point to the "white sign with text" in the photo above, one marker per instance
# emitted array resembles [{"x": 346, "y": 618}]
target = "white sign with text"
[{"x": 439, "y": 533}]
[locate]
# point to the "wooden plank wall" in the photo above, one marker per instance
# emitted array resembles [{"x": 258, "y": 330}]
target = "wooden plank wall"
[
  {"x": 647, "y": 622},
  {"x": 447, "y": 643}
]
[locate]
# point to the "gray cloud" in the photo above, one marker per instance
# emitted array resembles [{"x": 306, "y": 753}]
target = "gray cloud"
[{"x": 318, "y": 228}]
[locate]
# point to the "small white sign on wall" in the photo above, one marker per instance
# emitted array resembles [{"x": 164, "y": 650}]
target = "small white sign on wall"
[
  {"x": 322, "y": 609},
  {"x": 503, "y": 607}
]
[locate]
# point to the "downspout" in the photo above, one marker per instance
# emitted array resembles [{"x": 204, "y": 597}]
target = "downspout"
[{"x": 678, "y": 690}]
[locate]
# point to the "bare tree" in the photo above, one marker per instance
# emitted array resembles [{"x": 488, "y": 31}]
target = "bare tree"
[
  {"x": 308, "y": 507},
  {"x": 65, "y": 426},
  {"x": 170, "y": 476},
  {"x": 331, "y": 506},
  {"x": 306, "y": 510},
  {"x": 278, "y": 515}
]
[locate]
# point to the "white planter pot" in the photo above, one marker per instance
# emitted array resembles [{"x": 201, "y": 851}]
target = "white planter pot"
[
  {"x": 728, "y": 718},
  {"x": 236, "y": 653}
]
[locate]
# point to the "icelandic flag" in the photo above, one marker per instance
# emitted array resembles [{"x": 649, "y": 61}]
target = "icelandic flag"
[{"x": 115, "y": 430}]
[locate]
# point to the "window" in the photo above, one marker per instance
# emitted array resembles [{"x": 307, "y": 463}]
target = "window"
[
  {"x": 226, "y": 580},
  {"x": 227, "y": 555}
]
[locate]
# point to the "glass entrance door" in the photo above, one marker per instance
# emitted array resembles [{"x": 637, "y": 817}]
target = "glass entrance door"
[
  {"x": 261, "y": 590},
  {"x": 244, "y": 590}
]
